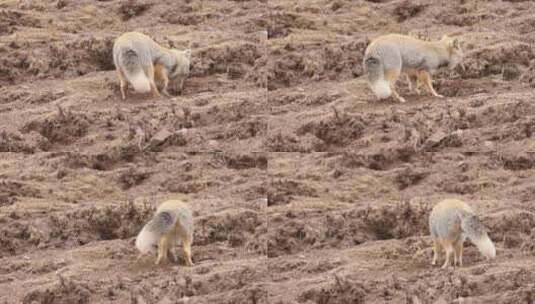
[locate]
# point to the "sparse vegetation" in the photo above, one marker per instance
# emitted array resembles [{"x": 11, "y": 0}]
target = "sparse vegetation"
[{"x": 304, "y": 187}]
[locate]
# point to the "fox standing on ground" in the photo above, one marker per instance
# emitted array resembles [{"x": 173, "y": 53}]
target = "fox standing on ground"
[
  {"x": 172, "y": 222},
  {"x": 139, "y": 60},
  {"x": 388, "y": 56},
  {"x": 451, "y": 222}
]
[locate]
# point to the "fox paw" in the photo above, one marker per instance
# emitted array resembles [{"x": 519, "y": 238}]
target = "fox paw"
[
  {"x": 189, "y": 262},
  {"x": 166, "y": 94}
]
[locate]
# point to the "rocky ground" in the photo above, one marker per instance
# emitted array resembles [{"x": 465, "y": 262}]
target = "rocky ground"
[{"x": 304, "y": 188}]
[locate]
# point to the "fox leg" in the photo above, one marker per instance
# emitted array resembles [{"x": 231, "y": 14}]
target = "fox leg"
[
  {"x": 392, "y": 75},
  {"x": 455, "y": 260},
  {"x": 449, "y": 249},
  {"x": 181, "y": 84},
  {"x": 161, "y": 75},
  {"x": 124, "y": 83},
  {"x": 186, "y": 246},
  {"x": 409, "y": 81},
  {"x": 459, "y": 253},
  {"x": 163, "y": 248},
  {"x": 426, "y": 78},
  {"x": 435, "y": 251},
  {"x": 165, "y": 80},
  {"x": 417, "y": 85},
  {"x": 149, "y": 71}
]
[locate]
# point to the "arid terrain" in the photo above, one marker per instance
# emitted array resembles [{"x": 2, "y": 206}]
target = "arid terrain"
[
  {"x": 349, "y": 225},
  {"x": 304, "y": 188},
  {"x": 82, "y": 170}
]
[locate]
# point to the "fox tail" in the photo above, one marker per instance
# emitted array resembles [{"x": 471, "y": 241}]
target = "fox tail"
[
  {"x": 376, "y": 76},
  {"x": 160, "y": 224}
]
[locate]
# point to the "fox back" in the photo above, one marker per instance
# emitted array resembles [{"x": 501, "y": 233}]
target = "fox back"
[
  {"x": 401, "y": 52},
  {"x": 181, "y": 212},
  {"x": 182, "y": 63},
  {"x": 445, "y": 218},
  {"x": 131, "y": 48}
]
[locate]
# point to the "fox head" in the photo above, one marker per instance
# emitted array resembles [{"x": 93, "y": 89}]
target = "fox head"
[
  {"x": 183, "y": 62},
  {"x": 453, "y": 45}
]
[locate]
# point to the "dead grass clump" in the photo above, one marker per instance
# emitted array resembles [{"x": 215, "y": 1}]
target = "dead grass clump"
[
  {"x": 339, "y": 130},
  {"x": 342, "y": 290},
  {"x": 132, "y": 8},
  {"x": 64, "y": 292},
  {"x": 63, "y": 128},
  {"x": 399, "y": 221},
  {"x": 407, "y": 10},
  {"x": 82, "y": 226}
]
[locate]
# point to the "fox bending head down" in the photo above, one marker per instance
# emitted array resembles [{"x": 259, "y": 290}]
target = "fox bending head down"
[
  {"x": 173, "y": 222},
  {"x": 141, "y": 61},
  {"x": 452, "y": 221},
  {"x": 390, "y": 55}
]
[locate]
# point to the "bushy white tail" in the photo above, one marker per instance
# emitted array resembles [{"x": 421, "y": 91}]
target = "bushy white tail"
[
  {"x": 485, "y": 246},
  {"x": 146, "y": 241},
  {"x": 162, "y": 222},
  {"x": 381, "y": 88},
  {"x": 376, "y": 77},
  {"x": 139, "y": 81}
]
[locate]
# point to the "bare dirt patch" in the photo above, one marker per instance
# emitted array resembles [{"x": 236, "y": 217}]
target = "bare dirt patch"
[
  {"x": 83, "y": 170},
  {"x": 304, "y": 187}
]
